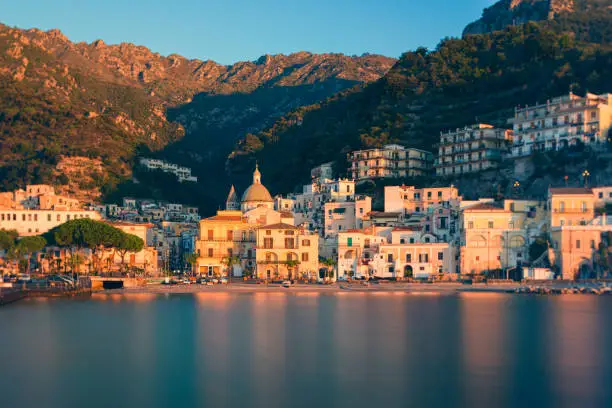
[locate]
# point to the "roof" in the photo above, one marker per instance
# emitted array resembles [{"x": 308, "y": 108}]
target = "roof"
[
  {"x": 286, "y": 214},
  {"x": 383, "y": 214},
  {"x": 132, "y": 224},
  {"x": 484, "y": 207},
  {"x": 571, "y": 190},
  {"x": 256, "y": 192},
  {"x": 224, "y": 218},
  {"x": 280, "y": 225},
  {"x": 408, "y": 228}
]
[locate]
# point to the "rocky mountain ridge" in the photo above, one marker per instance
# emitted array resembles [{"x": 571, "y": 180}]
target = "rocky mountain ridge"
[{"x": 63, "y": 99}]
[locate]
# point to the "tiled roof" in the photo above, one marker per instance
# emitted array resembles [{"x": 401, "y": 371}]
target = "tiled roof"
[
  {"x": 383, "y": 214},
  {"x": 484, "y": 207},
  {"x": 280, "y": 225},
  {"x": 572, "y": 190},
  {"x": 408, "y": 228}
]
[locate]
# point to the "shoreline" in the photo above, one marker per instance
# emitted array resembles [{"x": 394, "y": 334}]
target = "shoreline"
[{"x": 344, "y": 288}]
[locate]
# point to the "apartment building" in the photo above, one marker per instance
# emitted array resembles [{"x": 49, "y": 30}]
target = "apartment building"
[
  {"x": 346, "y": 215},
  {"x": 571, "y": 206},
  {"x": 225, "y": 235},
  {"x": 561, "y": 122},
  {"x": 471, "y": 149},
  {"x": 182, "y": 173},
  {"x": 490, "y": 240},
  {"x": 285, "y": 251},
  {"x": 389, "y": 161}
]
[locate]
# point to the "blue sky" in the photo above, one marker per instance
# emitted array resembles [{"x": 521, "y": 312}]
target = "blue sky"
[{"x": 227, "y": 31}]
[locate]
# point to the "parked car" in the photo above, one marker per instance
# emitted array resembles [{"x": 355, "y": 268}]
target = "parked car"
[{"x": 287, "y": 284}]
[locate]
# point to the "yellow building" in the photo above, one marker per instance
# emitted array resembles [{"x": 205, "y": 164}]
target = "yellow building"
[
  {"x": 223, "y": 236},
  {"x": 146, "y": 259},
  {"x": 490, "y": 239},
  {"x": 574, "y": 248},
  {"x": 286, "y": 252},
  {"x": 571, "y": 206}
]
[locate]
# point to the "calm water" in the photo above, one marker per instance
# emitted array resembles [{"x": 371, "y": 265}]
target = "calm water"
[{"x": 289, "y": 350}]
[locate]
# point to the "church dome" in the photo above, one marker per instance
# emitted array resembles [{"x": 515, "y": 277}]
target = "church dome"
[{"x": 257, "y": 191}]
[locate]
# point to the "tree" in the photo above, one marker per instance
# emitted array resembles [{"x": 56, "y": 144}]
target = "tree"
[
  {"x": 28, "y": 246},
  {"x": 229, "y": 262},
  {"x": 192, "y": 260},
  {"x": 97, "y": 236},
  {"x": 290, "y": 265},
  {"x": 329, "y": 265},
  {"x": 127, "y": 243},
  {"x": 8, "y": 241}
]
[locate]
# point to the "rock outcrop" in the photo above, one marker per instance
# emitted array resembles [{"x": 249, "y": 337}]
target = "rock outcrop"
[{"x": 513, "y": 12}]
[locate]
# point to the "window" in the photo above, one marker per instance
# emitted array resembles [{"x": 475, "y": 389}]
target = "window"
[
  {"x": 423, "y": 258},
  {"x": 477, "y": 258},
  {"x": 583, "y": 206},
  {"x": 210, "y": 235},
  {"x": 349, "y": 241},
  {"x": 268, "y": 232},
  {"x": 562, "y": 206},
  {"x": 427, "y": 240},
  {"x": 592, "y": 244},
  {"x": 268, "y": 243},
  {"x": 490, "y": 224},
  {"x": 210, "y": 252},
  {"x": 244, "y": 235},
  {"x": 67, "y": 217},
  {"x": 439, "y": 194},
  {"x": 412, "y": 240},
  {"x": 470, "y": 224},
  {"x": 230, "y": 252},
  {"x": 306, "y": 243},
  {"x": 23, "y": 217},
  {"x": 305, "y": 257},
  {"x": 408, "y": 257},
  {"x": 389, "y": 257},
  {"x": 577, "y": 244},
  {"x": 600, "y": 194},
  {"x": 230, "y": 235},
  {"x": 289, "y": 243},
  {"x": 440, "y": 256}
]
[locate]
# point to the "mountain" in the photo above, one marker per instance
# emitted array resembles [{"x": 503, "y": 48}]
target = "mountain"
[
  {"x": 515, "y": 12},
  {"x": 76, "y": 114},
  {"x": 478, "y": 78}
]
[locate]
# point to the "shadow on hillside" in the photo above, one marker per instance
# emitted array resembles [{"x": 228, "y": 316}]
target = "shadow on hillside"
[{"x": 213, "y": 124}]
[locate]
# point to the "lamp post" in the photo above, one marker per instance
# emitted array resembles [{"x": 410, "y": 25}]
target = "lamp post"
[
  {"x": 586, "y": 175},
  {"x": 517, "y": 186}
]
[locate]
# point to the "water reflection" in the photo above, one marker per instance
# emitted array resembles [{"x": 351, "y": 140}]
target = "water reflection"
[
  {"x": 484, "y": 340},
  {"x": 305, "y": 350}
]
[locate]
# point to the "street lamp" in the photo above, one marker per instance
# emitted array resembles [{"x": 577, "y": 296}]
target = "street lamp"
[{"x": 586, "y": 175}]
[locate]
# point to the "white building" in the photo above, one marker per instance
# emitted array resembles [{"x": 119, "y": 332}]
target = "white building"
[
  {"x": 182, "y": 173},
  {"x": 389, "y": 161},
  {"x": 561, "y": 122}
]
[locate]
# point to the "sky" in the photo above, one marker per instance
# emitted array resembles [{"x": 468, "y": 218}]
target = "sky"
[{"x": 228, "y": 31}]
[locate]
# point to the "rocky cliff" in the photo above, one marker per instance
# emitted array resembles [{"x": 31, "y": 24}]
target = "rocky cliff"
[{"x": 513, "y": 12}]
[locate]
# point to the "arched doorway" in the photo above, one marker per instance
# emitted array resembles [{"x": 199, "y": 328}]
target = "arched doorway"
[{"x": 408, "y": 272}]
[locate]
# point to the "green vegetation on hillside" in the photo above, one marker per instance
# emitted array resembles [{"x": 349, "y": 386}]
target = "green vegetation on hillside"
[{"x": 479, "y": 78}]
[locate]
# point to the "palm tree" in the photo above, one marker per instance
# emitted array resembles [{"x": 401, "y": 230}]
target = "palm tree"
[
  {"x": 229, "y": 262},
  {"x": 192, "y": 260},
  {"x": 329, "y": 265}
]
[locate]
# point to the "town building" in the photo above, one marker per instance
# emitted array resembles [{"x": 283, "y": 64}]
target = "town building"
[
  {"x": 490, "y": 239},
  {"x": 389, "y": 161},
  {"x": 561, "y": 122},
  {"x": 471, "y": 149},
  {"x": 37, "y": 209},
  {"x": 147, "y": 259},
  {"x": 393, "y": 252},
  {"x": 285, "y": 251},
  {"x": 570, "y": 206},
  {"x": 182, "y": 173},
  {"x": 345, "y": 215},
  {"x": 231, "y": 236}
]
